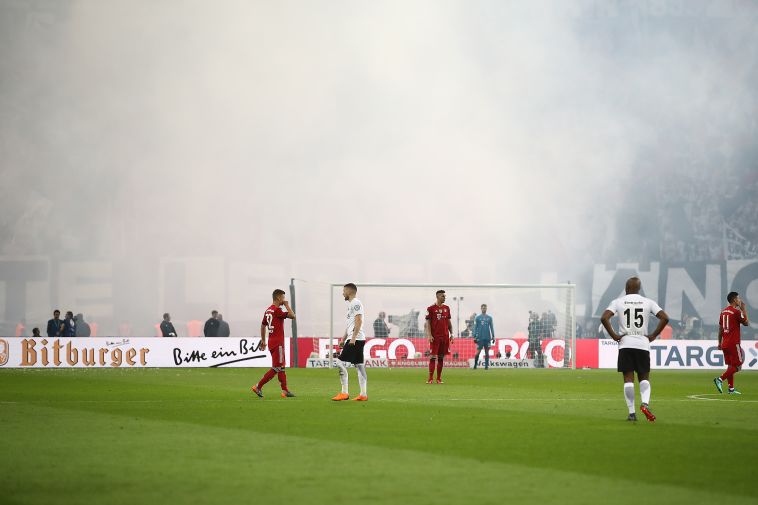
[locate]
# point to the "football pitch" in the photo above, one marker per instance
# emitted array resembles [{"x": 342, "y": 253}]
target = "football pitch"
[{"x": 527, "y": 436}]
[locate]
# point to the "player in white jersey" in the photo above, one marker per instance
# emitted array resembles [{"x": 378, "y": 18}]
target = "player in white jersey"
[
  {"x": 634, "y": 312},
  {"x": 353, "y": 342}
]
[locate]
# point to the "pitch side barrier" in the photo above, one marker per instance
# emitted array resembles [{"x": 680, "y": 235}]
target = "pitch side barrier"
[
  {"x": 128, "y": 352},
  {"x": 410, "y": 353},
  {"x": 515, "y": 353},
  {"x": 681, "y": 354}
]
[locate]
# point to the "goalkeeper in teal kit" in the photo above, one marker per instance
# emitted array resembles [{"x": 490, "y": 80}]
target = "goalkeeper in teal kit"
[{"x": 484, "y": 336}]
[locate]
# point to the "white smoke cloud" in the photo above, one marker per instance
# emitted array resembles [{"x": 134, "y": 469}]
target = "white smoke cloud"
[{"x": 425, "y": 140}]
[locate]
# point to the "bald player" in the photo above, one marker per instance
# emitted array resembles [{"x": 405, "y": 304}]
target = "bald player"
[{"x": 634, "y": 311}]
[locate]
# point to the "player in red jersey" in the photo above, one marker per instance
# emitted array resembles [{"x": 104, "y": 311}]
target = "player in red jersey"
[
  {"x": 733, "y": 315},
  {"x": 272, "y": 328},
  {"x": 439, "y": 331}
]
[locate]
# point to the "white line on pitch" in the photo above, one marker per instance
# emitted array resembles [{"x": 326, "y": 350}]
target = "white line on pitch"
[
  {"x": 499, "y": 399},
  {"x": 513, "y": 400},
  {"x": 700, "y": 397}
]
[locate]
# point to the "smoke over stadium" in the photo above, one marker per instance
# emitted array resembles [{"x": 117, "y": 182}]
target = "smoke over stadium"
[{"x": 341, "y": 141}]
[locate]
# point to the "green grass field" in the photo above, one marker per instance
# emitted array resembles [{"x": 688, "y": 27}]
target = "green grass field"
[{"x": 528, "y": 436}]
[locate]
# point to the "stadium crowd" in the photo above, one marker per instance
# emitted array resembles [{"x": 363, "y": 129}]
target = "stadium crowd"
[
  {"x": 694, "y": 214},
  {"x": 76, "y": 326}
]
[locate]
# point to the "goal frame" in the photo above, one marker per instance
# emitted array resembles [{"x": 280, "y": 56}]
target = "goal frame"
[{"x": 570, "y": 306}]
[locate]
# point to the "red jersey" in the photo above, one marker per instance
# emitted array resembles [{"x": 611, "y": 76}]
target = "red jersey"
[
  {"x": 438, "y": 317},
  {"x": 729, "y": 321},
  {"x": 274, "y": 318}
]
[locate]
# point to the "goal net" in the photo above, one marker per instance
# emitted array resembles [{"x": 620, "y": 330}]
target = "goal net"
[{"x": 534, "y": 325}]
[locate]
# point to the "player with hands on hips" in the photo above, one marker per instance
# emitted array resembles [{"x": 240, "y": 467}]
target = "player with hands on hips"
[{"x": 634, "y": 311}]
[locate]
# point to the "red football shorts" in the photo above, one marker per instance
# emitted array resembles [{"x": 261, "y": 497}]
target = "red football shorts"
[
  {"x": 734, "y": 355},
  {"x": 440, "y": 345},
  {"x": 277, "y": 354}
]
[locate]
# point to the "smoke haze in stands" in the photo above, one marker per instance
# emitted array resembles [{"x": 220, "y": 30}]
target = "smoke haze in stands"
[{"x": 384, "y": 141}]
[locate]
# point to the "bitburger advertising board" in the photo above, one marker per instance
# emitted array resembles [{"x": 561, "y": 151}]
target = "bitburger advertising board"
[{"x": 121, "y": 352}]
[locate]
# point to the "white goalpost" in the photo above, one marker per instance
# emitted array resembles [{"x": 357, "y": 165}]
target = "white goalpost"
[{"x": 534, "y": 324}]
